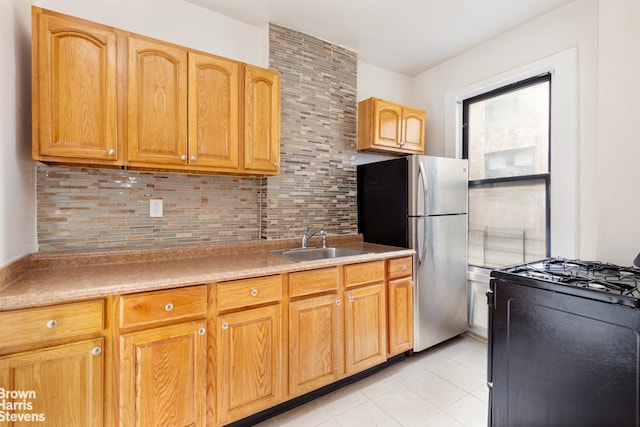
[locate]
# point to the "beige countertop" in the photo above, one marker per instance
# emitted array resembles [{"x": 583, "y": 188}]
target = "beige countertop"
[{"x": 69, "y": 277}]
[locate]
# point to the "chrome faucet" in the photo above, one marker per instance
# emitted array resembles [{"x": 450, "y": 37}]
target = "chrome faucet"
[{"x": 307, "y": 235}]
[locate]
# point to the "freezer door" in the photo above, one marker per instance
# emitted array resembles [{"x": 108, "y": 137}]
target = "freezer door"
[
  {"x": 382, "y": 202},
  {"x": 440, "y": 291},
  {"x": 438, "y": 186}
]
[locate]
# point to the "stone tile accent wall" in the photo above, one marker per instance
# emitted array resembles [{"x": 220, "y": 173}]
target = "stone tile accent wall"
[
  {"x": 317, "y": 185},
  {"x": 84, "y": 209},
  {"x": 81, "y": 209}
]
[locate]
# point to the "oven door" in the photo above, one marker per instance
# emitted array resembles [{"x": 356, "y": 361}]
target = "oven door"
[{"x": 561, "y": 360}]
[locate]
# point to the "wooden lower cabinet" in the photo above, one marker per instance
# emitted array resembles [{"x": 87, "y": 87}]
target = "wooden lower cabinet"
[
  {"x": 163, "y": 376},
  {"x": 148, "y": 358},
  {"x": 399, "y": 305},
  {"x": 314, "y": 343},
  {"x": 59, "y": 386},
  {"x": 400, "y": 315},
  {"x": 249, "y": 361},
  {"x": 365, "y": 327}
]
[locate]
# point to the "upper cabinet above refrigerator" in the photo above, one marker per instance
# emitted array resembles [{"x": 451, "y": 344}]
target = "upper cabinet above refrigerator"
[{"x": 391, "y": 128}]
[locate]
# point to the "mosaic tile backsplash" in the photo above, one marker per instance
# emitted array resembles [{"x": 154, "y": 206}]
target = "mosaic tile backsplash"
[
  {"x": 317, "y": 183},
  {"x": 80, "y": 209},
  {"x": 84, "y": 209}
]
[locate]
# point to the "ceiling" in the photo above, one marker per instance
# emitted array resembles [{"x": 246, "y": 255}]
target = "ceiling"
[{"x": 405, "y": 36}]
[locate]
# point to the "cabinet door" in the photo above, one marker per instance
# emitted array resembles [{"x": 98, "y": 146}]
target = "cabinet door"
[
  {"x": 314, "y": 343},
  {"x": 157, "y": 103},
  {"x": 365, "y": 330},
  {"x": 261, "y": 120},
  {"x": 248, "y": 362},
  {"x": 213, "y": 111},
  {"x": 58, "y": 386},
  {"x": 387, "y": 122},
  {"x": 74, "y": 89},
  {"x": 400, "y": 315},
  {"x": 413, "y": 122},
  {"x": 163, "y": 376}
]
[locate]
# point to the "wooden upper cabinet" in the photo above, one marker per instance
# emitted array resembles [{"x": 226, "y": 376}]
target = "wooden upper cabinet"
[
  {"x": 157, "y": 102},
  {"x": 261, "y": 120},
  {"x": 103, "y": 96},
  {"x": 413, "y": 129},
  {"x": 74, "y": 87},
  {"x": 385, "y": 126},
  {"x": 213, "y": 111}
]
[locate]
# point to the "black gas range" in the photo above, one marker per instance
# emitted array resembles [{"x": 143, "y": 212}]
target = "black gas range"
[{"x": 564, "y": 344}]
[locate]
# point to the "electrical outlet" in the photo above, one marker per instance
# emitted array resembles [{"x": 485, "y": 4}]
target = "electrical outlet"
[{"x": 155, "y": 208}]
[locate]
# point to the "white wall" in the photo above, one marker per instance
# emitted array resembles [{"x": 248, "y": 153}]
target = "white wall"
[
  {"x": 574, "y": 26},
  {"x": 17, "y": 172},
  {"x": 617, "y": 175},
  {"x": 177, "y": 22},
  {"x": 382, "y": 83}
]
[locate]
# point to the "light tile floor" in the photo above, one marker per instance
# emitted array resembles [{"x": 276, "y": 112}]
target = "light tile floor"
[{"x": 439, "y": 387}]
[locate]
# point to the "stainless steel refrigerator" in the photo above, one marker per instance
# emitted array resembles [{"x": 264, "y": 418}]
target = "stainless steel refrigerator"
[{"x": 420, "y": 202}]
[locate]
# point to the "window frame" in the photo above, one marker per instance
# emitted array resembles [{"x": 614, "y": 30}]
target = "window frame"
[{"x": 543, "y": 177}]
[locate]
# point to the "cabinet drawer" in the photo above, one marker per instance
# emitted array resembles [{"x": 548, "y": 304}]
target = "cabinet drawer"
[
  {"x": 366, "y": 272},
  {"x": 399, "y": 267},
  {"x": 313, "y": 281},
  {"x": 50, "y": 323},
  {"x": 246, "y": 292},
  {"x": 159, "y": 306}
]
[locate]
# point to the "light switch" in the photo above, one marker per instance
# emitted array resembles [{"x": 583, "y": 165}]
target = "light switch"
[{"x": 155, "y": 208}]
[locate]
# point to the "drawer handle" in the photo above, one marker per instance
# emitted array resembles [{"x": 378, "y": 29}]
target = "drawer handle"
[
  {"x": 338, "y": 302},
  {"x": 403, "y": 267},
  {"x": 202, "y": 331},
  {"x": 96, "y": 351},
  {"x": 225, "y": 325},
  {"x": 168, "y": 307},
  {"x": 52, "y": 324},
  {"x": 352, "y": 299},
  {"x": 254, "y": 292}
]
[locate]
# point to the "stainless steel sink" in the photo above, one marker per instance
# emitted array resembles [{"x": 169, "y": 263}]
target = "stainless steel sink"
[{"x": 313, "y": 254}]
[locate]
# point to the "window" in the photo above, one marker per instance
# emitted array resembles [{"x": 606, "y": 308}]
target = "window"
[{"x": 506, "y": 139}]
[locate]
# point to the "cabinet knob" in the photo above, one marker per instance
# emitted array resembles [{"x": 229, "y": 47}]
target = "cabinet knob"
[
  {"x": 254, "y": 292},
  {"x": 193, "y": 158},
  {"x": 352, "y": 299},
  {"x": 96, "y": 351},
  {"x": 403, "y": 267},
  {"x": 168, "y": 307},
  {"x": 202, "y": 331},
  {"x": 402, "y": 143},
  {"x": 276, "y": 164},
  {"x": 183, "y": 158},
  {"x": 112, "y": 152},
  {"x": 52, "y": 324},
  {"x": 338, "y": 302},
  {"x": 225, "y": 325}
]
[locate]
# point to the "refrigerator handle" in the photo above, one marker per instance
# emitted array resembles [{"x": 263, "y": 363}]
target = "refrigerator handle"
[
  {"x": 424, "y": 246},
  {"x": 423, "y": 175}
]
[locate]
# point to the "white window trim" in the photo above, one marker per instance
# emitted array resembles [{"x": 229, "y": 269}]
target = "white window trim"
[{"x": 563, "y": 67}]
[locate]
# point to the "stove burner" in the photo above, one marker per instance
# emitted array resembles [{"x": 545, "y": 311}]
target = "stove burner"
[{"x": 592, "y": 276}]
